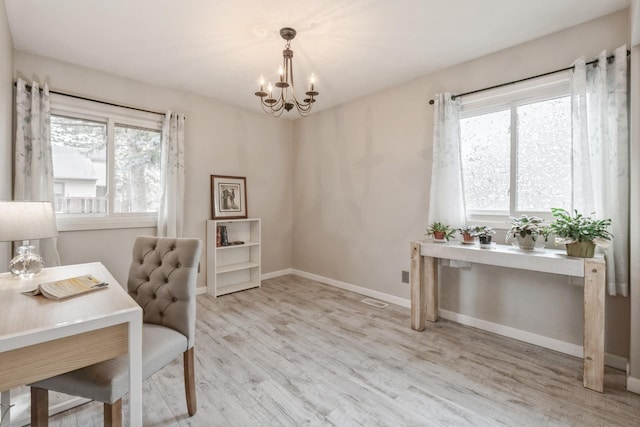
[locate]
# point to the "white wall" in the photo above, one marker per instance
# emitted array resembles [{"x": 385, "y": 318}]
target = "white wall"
[
  {"x": 633, "y": 382},
  {"x": 361, "y": 183},
  {"x": 6, "y": 97},
  {"x": 360, "y": 176},
  {"x": 220, "y": 140}
]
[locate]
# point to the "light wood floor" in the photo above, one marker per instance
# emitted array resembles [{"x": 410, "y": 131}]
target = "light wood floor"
[{"x": 297, "y": 352}]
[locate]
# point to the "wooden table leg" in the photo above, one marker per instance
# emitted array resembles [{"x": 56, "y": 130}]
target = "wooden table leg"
[
  {"x": 418, "y": 309},
  {"x": 430, "y": 279},
  {"x": 594, "y": 299}
]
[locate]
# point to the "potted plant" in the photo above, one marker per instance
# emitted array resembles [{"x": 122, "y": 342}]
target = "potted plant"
[
  {"x": 526, "y": 230},
  {"x": 440, "y": 231},
  {"x": 484, "y": 234},
  {"x": 469, "y": 233},
  {"x": 579, "y": 233}
]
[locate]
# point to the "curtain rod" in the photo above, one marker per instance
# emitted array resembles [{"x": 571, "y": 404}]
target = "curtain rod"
[
  {"x": 595, "y": 61},
  {"x": 96, "y": 100}
]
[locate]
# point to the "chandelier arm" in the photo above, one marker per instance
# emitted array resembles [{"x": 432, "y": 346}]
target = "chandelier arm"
[
  {"x": 278, "y": 112},
  {"x": 266, "y": 108},
  {"x": 301, "y": 104},
  {"x": 275, "y": 107},
  {"x": 306, "y": 108},
  {"x": 283, "y": 101}
]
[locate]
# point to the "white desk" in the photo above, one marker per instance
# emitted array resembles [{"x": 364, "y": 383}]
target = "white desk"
[
  {"x": 41, "y": 338},
  {"x": 423, "y": 278}
]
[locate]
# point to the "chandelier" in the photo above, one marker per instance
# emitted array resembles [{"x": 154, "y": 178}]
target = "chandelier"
[{"x": 286, "y": 99}]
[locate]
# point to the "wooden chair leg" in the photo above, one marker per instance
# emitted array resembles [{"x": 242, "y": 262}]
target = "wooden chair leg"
[
  {"x": 113, "y": 414},
  {"x": 189, "y": 381},
  {"x": 39, "y": 407}
]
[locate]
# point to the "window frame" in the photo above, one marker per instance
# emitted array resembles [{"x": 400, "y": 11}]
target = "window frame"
[
  {"x": 62, "y": 105},
  {"x": 510, "y": 98}
]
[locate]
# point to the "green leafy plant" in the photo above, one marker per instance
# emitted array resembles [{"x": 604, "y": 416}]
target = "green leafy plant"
[
  {"x": 570, "y": 228},
  {"x": 438, "y": 227},
  {"x": 471, "y": 230},
  {"x": 526, "y": 225},
  {"x": 469, "y": 233},
  {"x": 484, "y": 231}
]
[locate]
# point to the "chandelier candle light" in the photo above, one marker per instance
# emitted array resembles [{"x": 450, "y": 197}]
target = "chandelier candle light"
[{"x": 286, "y": 100}]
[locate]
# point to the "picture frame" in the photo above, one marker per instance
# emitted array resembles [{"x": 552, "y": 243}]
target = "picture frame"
[{"x": 228, "y": 197}]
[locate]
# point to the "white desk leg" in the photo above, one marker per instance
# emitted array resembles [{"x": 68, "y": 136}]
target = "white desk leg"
[
  {"x": 135, "y": 371},
  {"x": 5, "y": 408}
]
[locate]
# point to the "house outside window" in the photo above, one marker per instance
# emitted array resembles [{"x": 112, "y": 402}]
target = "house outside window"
[
  {"x": 515, "y": 148},
  {"x": 106, "y": 165}
]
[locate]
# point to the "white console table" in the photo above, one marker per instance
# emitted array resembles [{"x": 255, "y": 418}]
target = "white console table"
[{"x": 424, "y": 288}]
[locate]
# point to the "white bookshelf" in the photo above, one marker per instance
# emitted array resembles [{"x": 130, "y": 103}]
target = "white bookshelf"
[{"x": 233, "y": 268}]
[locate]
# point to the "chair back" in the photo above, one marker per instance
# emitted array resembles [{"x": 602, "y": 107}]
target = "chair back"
[{"x": 162, "y": 280}]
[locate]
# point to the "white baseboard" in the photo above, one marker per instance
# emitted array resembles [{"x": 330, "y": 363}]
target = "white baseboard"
[
  {"x": 518, "y": 334},
  {"x": 611, "y": 360},
  {"x": 279, "y": 273},
  {"x": 357, "y": 289},
  {"x": 201, "y": 290},
  {"x": 617, "y": 362},
  {"x": 633, "y": 384}
]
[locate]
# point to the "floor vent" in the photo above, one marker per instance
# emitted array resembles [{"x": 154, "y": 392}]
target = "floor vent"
[{"x": 375, "y": 303}]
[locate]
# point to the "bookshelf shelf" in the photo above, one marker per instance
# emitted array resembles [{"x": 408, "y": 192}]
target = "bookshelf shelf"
[{"x": 233, "y": 268}]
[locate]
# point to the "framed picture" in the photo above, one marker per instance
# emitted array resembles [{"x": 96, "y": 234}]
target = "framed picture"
[{"x": 228, "y": 197}]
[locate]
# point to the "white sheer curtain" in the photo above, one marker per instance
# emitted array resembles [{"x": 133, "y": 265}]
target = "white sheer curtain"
[
  {"x": 33, "y": 160},
  {"x": 171, "y": 209},
  {"x": 446, "y": 198},
  {"x": 601, "y": 155}
]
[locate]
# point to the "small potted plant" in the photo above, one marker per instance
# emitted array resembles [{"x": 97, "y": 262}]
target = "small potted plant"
[
  {"x": 440, "y": 232},
  {"x": 484, "y": 234},
  {"x": 469, "y": 233},
  {"x": 579, "y": 233},
  {"x": 526, "y": 230}
]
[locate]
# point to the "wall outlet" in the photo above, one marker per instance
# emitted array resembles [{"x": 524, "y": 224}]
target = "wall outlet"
[{"x": 405, "y": 276}]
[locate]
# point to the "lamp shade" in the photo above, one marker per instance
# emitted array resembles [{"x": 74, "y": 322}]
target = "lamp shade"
[{"x": 22, "y": 220}]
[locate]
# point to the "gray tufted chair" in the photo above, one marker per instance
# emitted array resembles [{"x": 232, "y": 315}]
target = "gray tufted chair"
[{"x": 162, "y": 280}]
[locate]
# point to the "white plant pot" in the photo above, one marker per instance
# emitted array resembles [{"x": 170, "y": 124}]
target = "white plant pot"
[{"x": 527, "y": 242}]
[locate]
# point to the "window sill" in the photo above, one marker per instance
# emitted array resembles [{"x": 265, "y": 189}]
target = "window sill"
[
  {"x": 503, "y": 222},
  {"x": 105, "y": 223}
]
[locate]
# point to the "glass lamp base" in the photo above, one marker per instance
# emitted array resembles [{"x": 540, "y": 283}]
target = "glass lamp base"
[{"x": 27, "y": 263}]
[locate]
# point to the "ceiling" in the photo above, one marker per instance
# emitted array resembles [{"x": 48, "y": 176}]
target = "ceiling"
[{"x": 220, "y": 48}]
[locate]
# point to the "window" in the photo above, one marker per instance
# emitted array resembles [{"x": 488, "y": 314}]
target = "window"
[
  {"x": 106, "y": 165},
  {"x": 515, "y": 149}
]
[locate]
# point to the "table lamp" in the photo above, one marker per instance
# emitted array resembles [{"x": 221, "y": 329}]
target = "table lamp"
[{"x": 22, "y": 220}]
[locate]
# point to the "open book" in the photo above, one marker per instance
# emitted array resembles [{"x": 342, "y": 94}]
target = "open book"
[{"x": 66, "y": 288}]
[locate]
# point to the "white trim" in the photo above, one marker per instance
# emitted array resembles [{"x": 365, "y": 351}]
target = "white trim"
[
  {"x": 279, "y": 273},
  {"x": 203, "y": 289},
  {"x": 518, "y": 334},
  {"x": 616, "y": 362},
  {"x": 79, "y": 223},
  {"x": 66, "y": 105},
  {"x": 610, "y": 360},
  {"x": 112, "y": 116},
  {"x": 532, "y": 90},
  {"x": 633, "y": 385},
  {"x": 507, "y": 99},
  {"x": 354, "y": 288}
]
